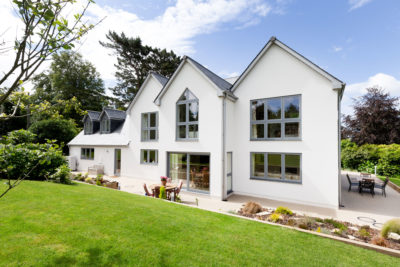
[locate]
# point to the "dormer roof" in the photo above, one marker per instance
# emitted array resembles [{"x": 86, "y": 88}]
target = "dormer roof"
[{"x": 92, "y": 115}]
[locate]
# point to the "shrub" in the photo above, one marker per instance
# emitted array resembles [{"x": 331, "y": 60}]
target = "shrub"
[
  {"x": 380, "y": 241},
  {"x": 62, "y": 175},
  {"x": 163, "y": 192},
  {"x": 391, "y": 226},
  {"x": 54, "y": 129},
  {"x": 35, "y": 161},
  {"x": 364, "y": 233},
  {"x": 20, "y": 137},
  {"x": 88, "y": 180},
  {"x": 336, "y": 224},
  {"x": 291, "y": 222},
  {"x": 283, "y": 210},
  {"x": 99, "y": 179},
  {"x": 251, "y": 208},
  {"x": 274, "y": 217}
]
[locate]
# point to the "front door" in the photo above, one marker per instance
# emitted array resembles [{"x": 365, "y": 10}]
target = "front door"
[
  {"x": 117, "y": 162},
  {"x": 192, "y": 169}
]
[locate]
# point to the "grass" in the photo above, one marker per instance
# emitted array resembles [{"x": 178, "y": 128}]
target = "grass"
[
  {"x": 47, "y": 224},
  {"x": 395, "y": 180}
]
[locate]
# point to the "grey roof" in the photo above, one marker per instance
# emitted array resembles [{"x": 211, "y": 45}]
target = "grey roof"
[
  {"x": 162, "y": 79},
  {"x": 93, "y": 115},
  {"x": 115, "y": 113},
  {"x": 116, "y": 138},
  {"x": 218, "y": 81}
]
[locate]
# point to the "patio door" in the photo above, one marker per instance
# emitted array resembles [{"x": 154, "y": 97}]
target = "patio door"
[
  {"x": 190, "y": 168},
  {"x": 229, "y": 172},
  {"x": 117, "y": 162}
]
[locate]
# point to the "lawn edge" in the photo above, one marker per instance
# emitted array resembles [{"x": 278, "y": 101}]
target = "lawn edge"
[{"x": 383, "y": 250}]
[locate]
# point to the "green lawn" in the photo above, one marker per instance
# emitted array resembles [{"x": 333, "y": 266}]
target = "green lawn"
[
  {"x": 395, "y": 180},
  {"x": 47, "y": 224}
]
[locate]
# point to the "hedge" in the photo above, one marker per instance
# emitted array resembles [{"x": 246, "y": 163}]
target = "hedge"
[{"x": 364, "y": 158}]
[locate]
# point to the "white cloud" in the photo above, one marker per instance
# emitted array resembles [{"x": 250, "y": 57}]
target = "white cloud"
[
  {"x": 175, "y": 29},
  {"x": 389, "y": 83},
  {"x": 354, "y": 4},
  {"x": 337, "y": 48}
]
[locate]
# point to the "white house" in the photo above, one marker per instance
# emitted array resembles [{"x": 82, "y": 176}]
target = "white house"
[{"x": 273, "y": 132}]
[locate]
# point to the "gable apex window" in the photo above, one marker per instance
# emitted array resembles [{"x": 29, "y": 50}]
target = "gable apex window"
[
  {"x": 149, "y": 126},
  {"x": 277, "y": 118},
  {"x": 105, "y": 125},
  {"x": 187, "y": 117}
]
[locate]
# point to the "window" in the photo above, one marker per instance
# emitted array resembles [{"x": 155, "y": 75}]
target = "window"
[
  {"x": 275, "y": 118},
  {"x": 276, "y": 167},
  {"x": 88, "y": 127},
  {"x": 105, "y": 125},
  {"x": 149, "y": 126},
  {"x": 149, "y": 156},
  {"x": 87, "y": 153},
  {"x": 187, "y": 117}
]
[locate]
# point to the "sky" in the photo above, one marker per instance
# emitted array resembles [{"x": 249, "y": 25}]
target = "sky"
[{"x": 358, "y": 41}]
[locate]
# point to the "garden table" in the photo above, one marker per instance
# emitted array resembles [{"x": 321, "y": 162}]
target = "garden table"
[
  {"x": 169, "y": 188},
  {"x": 368, "y": 184}
]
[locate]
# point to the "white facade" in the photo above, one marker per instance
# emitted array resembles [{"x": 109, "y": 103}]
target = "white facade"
[{"x": 224, "y": 126}]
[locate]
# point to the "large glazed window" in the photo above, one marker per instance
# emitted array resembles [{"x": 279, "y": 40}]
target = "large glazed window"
[
  {"x": 276, "y": 167},
  {"x": 87, "y": 153},
  {"x": 150, "y": 126},
  {"x": 275, "y": 118},
  {"x": 187, "y": 117}
]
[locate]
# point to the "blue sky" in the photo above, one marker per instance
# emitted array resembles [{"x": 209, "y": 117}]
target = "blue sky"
[{"x": 358, "y": 41}]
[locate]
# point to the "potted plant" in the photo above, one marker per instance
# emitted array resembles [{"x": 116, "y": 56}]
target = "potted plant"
[{"x": 164, "y": 180}]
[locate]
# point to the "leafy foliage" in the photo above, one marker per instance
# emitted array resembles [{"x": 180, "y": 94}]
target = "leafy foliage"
[
  {"x": 135, "y": 60},
  {"x": 283, "y": 210},
  {"x": 60, "y": 130},
  {"x": 163, "y": 193},
  {"x": 70, "y": 76},
  {"x": 20, "y": 137},
  {"x": 29, "y": 160},
  {"x": 376, "y": 119},
  {"x": 366, "y": 157},
  {"x": 45, "y": 31},
  {"x": 62, "y": 175}
]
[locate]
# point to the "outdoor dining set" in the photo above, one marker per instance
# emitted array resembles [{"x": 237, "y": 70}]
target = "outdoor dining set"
[
  {"x": 171, "y": 190},
  {"x": 365, "y": 182}
]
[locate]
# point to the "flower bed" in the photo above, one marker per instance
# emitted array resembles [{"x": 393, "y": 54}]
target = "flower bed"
[
  {"x": 97, "y": 181},
  {"x": 285, "y": 216}
]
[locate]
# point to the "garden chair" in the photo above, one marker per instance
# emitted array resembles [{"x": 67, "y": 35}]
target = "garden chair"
[
  {"x": 147, "y": 193},
  {"x": 382, "y": 186},
  {"x": 178, "y": 189},
  {"x": 352, "y": 182}
]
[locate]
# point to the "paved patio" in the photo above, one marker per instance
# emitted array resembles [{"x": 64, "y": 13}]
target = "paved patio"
[{"x": 358, "y": 209}]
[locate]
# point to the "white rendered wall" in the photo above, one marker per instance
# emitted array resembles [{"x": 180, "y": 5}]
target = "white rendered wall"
[
  {"x": 102, "y": 155},
  {"x": 279, "y": 74}
]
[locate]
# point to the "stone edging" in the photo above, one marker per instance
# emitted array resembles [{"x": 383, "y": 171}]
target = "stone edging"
[{"x": 394, "y": 186}]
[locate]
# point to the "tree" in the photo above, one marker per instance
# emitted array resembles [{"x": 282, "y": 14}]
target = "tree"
[
  {"x": 134, "y": 61},
  {"x": 376, "y": 119},
  {"x": 71, "y": 76},
  {"x": 60, "y": 130},
  {"x": 45, "y": 31}
]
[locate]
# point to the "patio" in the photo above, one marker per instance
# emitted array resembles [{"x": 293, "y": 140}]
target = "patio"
[{"x": 359, "y": 209}]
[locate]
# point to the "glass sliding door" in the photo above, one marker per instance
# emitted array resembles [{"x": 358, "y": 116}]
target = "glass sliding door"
[
  {"x": 192, "y": 169},
  {"x": 178, "y": 168},
  {"x": 199, "y": 172}
]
